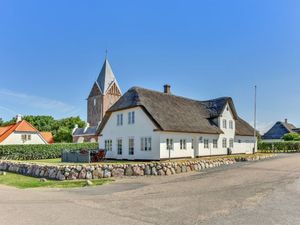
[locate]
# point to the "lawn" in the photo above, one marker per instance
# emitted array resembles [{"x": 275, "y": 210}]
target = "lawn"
[{"x": 20, "y": 181}]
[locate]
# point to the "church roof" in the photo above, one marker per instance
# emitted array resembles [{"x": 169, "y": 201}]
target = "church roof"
[{"x": 106, "y": 78}]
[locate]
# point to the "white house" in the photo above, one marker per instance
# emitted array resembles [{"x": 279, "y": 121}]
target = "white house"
[
  {"x": 22, "y": 132},
  {"x": 150, "y": 125}
]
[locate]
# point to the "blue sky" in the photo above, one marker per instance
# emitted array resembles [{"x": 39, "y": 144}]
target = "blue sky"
[{"x": 52, "y": 51}]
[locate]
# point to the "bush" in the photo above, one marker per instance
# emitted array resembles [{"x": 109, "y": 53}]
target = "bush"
[
  {"x": 291, "y": 137},
  {"x": 31, "y": 152},
  {"x": 279, "y": 147}
]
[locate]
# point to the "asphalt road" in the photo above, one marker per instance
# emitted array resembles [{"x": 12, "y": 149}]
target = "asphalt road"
[{"x": 260, "y": 193}]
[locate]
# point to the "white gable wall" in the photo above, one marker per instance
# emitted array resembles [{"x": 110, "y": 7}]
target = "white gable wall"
[
  {"x": 143, "y": 127},
  {"x": 15, "y": 138}
]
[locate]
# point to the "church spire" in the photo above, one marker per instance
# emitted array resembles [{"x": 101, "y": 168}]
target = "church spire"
[{"x": 106, "y": 77}]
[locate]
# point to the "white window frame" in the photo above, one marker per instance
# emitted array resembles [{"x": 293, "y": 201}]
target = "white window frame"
[
  {"x": 169, "y": 144},
  {"x": 231, "y": 143},
  {"x": 120, "y": 119},
  {"x": 215, "y": 143},
  {"x": 131, "y": 117},
  {"x": 119, "y": 146},
  {"x": 206, "y": 143},
  {"x": 224, "y": 143},
  {"x": 108, "y": 145},
  {"x": 231, "y": 124},
  {"x": 130, "y": 146},
  {"x": 224, "y": 123},
  {"x": 182, "y": 144},
  {"x": 146, "y": 143}
]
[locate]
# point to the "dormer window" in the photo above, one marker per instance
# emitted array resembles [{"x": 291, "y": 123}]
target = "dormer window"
[{"x": 224, "y": 123}]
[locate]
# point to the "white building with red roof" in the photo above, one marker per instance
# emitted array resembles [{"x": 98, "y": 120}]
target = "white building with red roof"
[{"x": 22, "y": 132}]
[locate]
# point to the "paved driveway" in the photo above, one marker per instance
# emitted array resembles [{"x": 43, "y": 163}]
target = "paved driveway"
[{"x": 265, "y": 192}]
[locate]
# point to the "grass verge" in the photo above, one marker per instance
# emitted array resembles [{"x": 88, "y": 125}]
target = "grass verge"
[{"x": 23, "y": 182}]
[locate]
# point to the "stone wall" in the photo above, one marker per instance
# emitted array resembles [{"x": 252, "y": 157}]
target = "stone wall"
[{"x": 96, "y": 171}]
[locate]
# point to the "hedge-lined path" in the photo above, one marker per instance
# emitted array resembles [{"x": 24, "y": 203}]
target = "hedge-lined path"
[{"x": 263, "y": 192}]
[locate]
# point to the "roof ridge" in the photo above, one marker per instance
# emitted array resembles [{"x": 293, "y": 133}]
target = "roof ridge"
[{"x": 177, "y": 96}]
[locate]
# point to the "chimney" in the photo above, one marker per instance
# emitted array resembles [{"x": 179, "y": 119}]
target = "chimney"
[
  {"x": 19, "y": 118},
  {"x": 86, "y": 127},
  {"x": 75, "y": 128},
  {"x": 286, "y": 121},
  {"x": 167, "y": 89}
]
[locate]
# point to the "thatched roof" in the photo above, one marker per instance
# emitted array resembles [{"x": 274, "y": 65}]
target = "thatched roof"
[
  {"x": 279, "y": 130},
  {"x": 178, "y": 114}
]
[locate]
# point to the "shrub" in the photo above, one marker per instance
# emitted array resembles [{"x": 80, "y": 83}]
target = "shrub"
[
  {"x": 31, "y": 152},
  {"x": 291, "y": 137},
  {"x": 277, "y": 147}
]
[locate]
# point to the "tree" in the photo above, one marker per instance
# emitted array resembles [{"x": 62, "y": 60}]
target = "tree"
[
  {"x": 291, "y": 137},
  {"x": 63, "y": 134},
  {"x": 1, "y": 122},
  {"x": 42, "y": 123}
]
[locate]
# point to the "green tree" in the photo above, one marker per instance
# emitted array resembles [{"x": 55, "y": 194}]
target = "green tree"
[
  {"x": 291, "y": 137},
  {"x": 63, "y": 134},
  {"x": 1, "y": 122},
  {"x": 42, "y": 123}
]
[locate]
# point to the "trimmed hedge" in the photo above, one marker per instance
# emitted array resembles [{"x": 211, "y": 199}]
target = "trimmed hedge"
[
  {"x": 31, "y": 152},
  {"x": 279, "y": 147}
]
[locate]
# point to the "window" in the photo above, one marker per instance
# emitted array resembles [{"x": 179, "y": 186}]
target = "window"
[
  {"x": 131, "y": 146},
  {"x": 131, "y": 118},
  {"x": 240, "y": 141},
  {"x": 26, "y": 137},
  {"x": 224, "y": 124},
  {"x": 215, "y": 143},
  {"x": 95, "y": 101},
  {"x": 182, "y": 144},
  {"x": 231, "y": 143},
  {"x": 192, "y": 144},
  {"x": 119, "y": 146},
  {"x": 205, "y": 143},
  {"x": 119, "y": 119},
  {"x": 108, "y": 145},
  {"x": 230, "y": 124},
  {"x": 146, "y": 144},
  {"x": 224, "y": 143},
  {"x": 170, "y": 145}
]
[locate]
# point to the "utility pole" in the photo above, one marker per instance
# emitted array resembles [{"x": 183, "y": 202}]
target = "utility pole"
[{"x": 255, "y": 95}]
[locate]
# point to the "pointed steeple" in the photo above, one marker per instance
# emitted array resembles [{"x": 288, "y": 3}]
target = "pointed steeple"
[{"x": 106, "y": 78}]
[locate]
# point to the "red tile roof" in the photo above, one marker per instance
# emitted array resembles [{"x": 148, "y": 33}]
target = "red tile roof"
[
  {"x": 22, "y": 126},
  {"x": 48, "y": 137}
]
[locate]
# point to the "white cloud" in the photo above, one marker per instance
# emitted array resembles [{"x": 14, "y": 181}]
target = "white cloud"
[{"x": 37, "y": 102}]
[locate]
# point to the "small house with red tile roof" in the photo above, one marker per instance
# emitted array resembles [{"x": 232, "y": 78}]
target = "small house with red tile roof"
[{"x": 22, "y": 132}]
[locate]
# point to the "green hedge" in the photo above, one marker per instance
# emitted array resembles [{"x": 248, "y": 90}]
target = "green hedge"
[
  {"x": 31, "y": 152},
  {"x": 279, "y": 147}
]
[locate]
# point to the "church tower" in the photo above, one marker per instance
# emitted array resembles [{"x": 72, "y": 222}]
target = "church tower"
[{"x": 105, "y": 92}]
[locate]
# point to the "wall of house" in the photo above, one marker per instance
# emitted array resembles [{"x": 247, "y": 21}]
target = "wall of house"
[
  {"x": 244, "y": 144},
  {"x": 16, "y": 139},
  {"x": 176, "y": 152},
  {"x": 227, "y": 132},
  {"x": 143, "y": 127}
]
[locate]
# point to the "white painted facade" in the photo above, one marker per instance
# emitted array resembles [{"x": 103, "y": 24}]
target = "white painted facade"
[
  {"x": 196, "y": 144},
  {"x": 16, "y": 138}
]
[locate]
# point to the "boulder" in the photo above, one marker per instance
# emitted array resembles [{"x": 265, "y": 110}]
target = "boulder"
[
  {"x": 128, "y": 171},
  {"x": 82, "y": 174},
  {"x": 98, "y": 173},
  {"x": 147, "y": 170},
  {"x": 118, "y": 172},
  {"x": 153, "y": 171},
  {"x": 107, "y": 173},
  {"x": 89, "y": 175}
]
